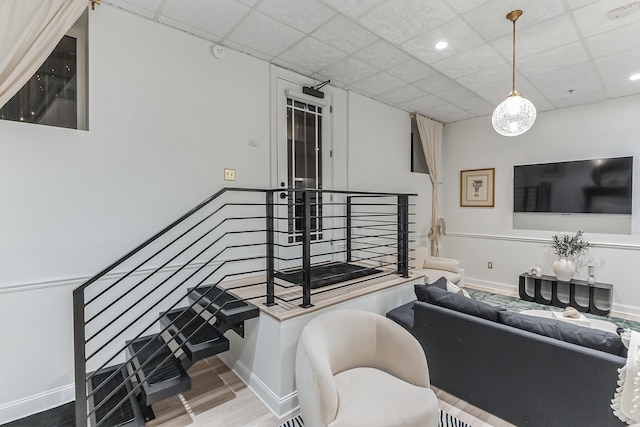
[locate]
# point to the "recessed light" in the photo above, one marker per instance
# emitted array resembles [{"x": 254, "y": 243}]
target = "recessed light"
[
  {"x": 442, "y": 45},
  {"x": 634, "y": 77}
]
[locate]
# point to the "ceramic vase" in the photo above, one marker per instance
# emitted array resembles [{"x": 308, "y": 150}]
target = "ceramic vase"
[{"x": 564, "y": 269}]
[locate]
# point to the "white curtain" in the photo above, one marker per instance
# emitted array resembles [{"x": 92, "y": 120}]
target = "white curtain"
[
  {"x": 29, "y": 31},
  {"x": 431, "y": 138}
]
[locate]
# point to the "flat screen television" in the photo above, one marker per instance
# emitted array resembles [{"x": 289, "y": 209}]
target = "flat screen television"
[{"x": 602, "y": 186}]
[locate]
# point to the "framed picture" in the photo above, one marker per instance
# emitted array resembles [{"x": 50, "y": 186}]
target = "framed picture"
[{"x": 476, "y": 188}]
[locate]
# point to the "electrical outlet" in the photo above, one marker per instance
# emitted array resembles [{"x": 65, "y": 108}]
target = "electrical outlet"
[
  {"x": 489, "y": 265},
  {"x": 229, "y": 174}
]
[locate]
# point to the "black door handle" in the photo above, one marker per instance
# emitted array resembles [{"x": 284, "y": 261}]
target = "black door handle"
[{"x": 283, "y": 195}]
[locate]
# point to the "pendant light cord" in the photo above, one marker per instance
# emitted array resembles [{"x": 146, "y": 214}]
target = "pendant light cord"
[{"x": 513, "y": 62}]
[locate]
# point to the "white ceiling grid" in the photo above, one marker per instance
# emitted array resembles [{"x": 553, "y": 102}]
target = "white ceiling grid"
[{"x": 569, "y": 52}]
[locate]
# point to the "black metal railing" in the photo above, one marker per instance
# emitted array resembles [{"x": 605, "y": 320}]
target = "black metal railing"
[{"x": 236, "y": 239}]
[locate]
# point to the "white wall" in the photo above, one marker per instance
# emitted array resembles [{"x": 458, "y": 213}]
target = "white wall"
[
  {"x": 478, "y": 235},
  {"x": 380, "y": 157},
  {"x": 166, "y": 118}
]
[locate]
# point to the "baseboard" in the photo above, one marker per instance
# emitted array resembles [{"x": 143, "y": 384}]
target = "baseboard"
[
  {"x": 281, "y": 407},
  {"x": 494, "y": 287},
  {"x": 37, "y": 403}
]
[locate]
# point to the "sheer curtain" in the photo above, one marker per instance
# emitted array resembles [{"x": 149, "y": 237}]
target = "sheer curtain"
[
  {"x": 431, "y": 138},
  {"x": 29, "y": 31}
]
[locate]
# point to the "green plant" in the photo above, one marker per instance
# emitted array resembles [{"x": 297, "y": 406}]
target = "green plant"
[{"x": 565, "y": 245}]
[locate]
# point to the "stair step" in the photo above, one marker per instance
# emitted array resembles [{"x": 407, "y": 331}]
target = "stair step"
[
  {"x": 128, "y": 414},
  {"x": 200, "y": 338},
  {"x": 168, "y": 380},
  {"x": 233, "y": 310}
]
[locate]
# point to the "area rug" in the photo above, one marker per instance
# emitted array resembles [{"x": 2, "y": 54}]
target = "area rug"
[
  {"x": 445, "y": 420},
  {"x": 328, "y": 274}
]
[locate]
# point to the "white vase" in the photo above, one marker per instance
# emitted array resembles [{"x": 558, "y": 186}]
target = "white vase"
[{"x": 564, "y": 269}]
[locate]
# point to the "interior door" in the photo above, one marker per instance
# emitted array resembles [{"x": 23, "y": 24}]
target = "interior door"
[{"x": 303, "y": 162}]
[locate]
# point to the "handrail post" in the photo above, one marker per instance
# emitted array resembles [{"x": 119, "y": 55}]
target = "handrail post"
[
  {"x": 306, "y": 249},
  {"x": 349, "y": 247},
  {"x": 403, "y": 235},
  {"x": 270, "y": 249},
  {"x": 80, "y": 367}
]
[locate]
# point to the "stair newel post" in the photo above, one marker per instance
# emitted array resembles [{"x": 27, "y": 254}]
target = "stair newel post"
[
  {"x": 403, "y": 235},
  {"x": 306, "y": 249},
  {"x": 79, "y": 357},
  {"x": 270, "y": 248},
  {"x": 349, "y": 248}
]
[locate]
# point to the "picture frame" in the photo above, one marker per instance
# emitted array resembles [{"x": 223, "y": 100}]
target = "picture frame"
[{"x": 477, "y": 188}]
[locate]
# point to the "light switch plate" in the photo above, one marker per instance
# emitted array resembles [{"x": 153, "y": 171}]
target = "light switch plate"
[{"x": 229, "y": 174}]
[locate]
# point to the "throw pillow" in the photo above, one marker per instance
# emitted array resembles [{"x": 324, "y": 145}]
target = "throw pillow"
[
  {"x": 564, "y": 331},
  {"x": 462, "y": 304},
  {"x": 452, "y": 287},
  {"x": 420, "y": 289}
]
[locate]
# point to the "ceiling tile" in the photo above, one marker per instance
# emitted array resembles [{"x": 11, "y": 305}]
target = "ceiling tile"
[
  {"x": 265, "y": 34},
  {"x": 412, "y": 70},
  {"x": 291, "y": 66},
  {"x": 476, "y": 105},
  {"x": 349, "y": 70},
  {"x": 305, "y": 19},
  {"x": 312, "y": 54},
  {"x": 614, "y": 41},
  {"x": 462, "y": 6},
  {"x": 455, "y": 94},
  {"x": 575, "y": 4},
  {"x": 215, "y": 17},
  {"x": 553, "y": 59},
  {"x": 567, "y": 78},
  {"x": 424, "y": 103},
  {"x": 248, "y": 50},
  {"x": 377, "y": 84},
  {"x": 146, "y": 8},
  {"x": 458, "y": 34},
  {"x": 249, "y": 3},
  {"x": 447, "y": 113},
  {"x": 382, "y": 55},
  {"x": 618, "y": 65},
  {"x": 436, "y": 83},
  {"x": 487, "y": 78},
  {"x": 550, "y": 34},
  {"x": 469, "y": 62},
  {"x": 353, "y": 8},
  {"x": 345, "y": 35},
  {"x": 491, "y": 22},
  {"x": 594, "y": 18},
  {"x": 585, "y": 91},
  {"x": 400, "y": 20},
  {"x": 402, "y": 94}
]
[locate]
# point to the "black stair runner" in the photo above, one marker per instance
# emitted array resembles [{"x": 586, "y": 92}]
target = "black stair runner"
[
  {"x": 232, "y": 310},
  {"x": 128, "y": 414},
  {"x": 169, "y": 377},
  {"x": 200, "y": 339}
]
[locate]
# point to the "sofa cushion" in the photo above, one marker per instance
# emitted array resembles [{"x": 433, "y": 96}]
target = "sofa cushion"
[
  {"x": 420, "y": 289},
  {"x": 564, "y": 331},
  {"x": 461, "y": 303}
]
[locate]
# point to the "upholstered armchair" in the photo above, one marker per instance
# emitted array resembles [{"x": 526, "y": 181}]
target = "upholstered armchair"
[
  {"x": 434, "y": 268},
  {"x": 356, "y": 368}
]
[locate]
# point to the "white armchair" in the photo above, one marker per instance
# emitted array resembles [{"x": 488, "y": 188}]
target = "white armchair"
[
  {"x": 356, "y": 368},
  {"x": 434, "y": 268}
]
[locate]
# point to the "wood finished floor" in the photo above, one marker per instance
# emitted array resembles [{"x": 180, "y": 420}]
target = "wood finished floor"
[{"x": 218, "y": 398}]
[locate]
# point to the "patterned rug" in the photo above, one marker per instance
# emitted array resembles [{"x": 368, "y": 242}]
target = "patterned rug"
[{"x": 445, "y": 420}]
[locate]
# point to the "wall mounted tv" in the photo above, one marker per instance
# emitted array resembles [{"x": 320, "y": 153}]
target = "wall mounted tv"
[{"x": 600, "y": 186}]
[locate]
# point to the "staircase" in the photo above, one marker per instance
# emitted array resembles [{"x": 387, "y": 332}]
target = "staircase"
[
  {"x": 143, "y": 321},
  {"x": 158, "y": 364}
]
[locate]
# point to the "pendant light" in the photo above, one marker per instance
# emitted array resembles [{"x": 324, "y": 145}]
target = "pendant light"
[{"x": 515, "y": 115}]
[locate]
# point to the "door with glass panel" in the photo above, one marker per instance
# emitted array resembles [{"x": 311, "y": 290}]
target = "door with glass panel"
[{"x": 303, "y": 163}]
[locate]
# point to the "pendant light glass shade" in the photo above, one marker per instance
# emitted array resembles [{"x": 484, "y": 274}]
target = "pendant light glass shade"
[{"x": 515, "y": 115}]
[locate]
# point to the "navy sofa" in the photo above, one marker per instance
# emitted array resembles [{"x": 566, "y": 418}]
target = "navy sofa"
[{"x": 517, "y": 375}]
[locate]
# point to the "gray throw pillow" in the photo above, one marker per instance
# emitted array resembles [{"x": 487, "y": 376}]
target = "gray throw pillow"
[
  {"x": 567, "y": 332},
  {"x": 461, "y": 303},
  {"x": 420, "y": 290}
]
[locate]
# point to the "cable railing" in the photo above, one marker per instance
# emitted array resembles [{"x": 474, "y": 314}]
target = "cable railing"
[{"x": 313, "y": 242}]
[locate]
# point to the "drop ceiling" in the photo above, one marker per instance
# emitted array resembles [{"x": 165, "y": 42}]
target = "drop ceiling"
[{"x": 568, "y": 52}]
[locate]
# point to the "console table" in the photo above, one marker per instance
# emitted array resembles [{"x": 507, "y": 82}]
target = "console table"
[{"x": 605, "y": 290}]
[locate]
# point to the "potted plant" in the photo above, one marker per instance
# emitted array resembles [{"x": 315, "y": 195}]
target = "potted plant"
[{"x": 567, "y": 248}]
